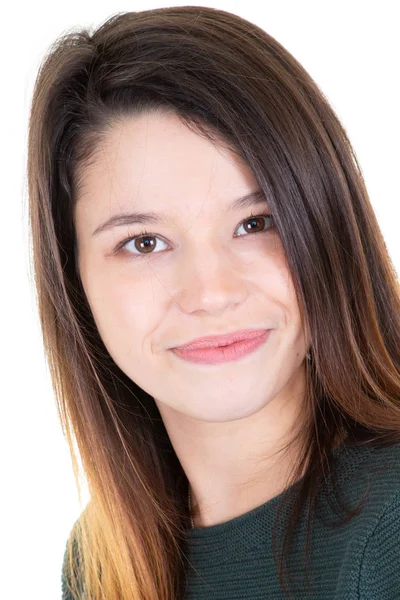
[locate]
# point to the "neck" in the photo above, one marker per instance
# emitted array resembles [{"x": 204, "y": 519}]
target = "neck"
[
  {"x": 205, "y": 516},
  {"x": 237, "y": 464}
]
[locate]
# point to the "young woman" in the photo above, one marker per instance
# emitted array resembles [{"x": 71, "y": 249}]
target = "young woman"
[{"x": 220, "y": 316}]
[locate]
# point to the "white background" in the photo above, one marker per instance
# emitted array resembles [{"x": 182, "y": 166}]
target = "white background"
[{"x": 350, "y": 48}]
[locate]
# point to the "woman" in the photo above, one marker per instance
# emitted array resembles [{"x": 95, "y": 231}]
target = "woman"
[{"x": 220, "y": 316}]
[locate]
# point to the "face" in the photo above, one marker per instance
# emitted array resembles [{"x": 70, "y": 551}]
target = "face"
[{"x": 202, "y": 268}]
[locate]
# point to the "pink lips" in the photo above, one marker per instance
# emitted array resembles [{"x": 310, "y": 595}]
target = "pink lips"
[{"x": 223, "y": 348}]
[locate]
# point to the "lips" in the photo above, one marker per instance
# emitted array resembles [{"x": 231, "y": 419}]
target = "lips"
[
  {"x": 222, "y": 340},
  {"x": 213, "y": 355}
]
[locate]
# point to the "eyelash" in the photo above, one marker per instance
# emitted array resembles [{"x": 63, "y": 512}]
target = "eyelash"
[{"x": 145, "y": 233}]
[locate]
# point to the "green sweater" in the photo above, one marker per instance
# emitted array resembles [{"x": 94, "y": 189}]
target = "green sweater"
[{"x": 359, "y": 560}]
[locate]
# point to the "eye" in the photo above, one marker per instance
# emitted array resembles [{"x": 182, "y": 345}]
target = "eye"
[
  {"x": 145, "y": 242},
  {"x": 256, "y": 222}
]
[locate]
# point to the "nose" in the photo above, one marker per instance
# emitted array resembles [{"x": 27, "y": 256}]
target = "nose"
[{"x": 212, "y": 282}]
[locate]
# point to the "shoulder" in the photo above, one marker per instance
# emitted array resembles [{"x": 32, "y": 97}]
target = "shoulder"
[
  {"x": 379, "y": 575},
  {"x": 364, "y": 552},
  {"x": 66, "y": 569},
  {"x": 374, "y": 472}
]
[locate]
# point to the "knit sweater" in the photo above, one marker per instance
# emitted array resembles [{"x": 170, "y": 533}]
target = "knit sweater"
[{"x": 356, "y": 561}]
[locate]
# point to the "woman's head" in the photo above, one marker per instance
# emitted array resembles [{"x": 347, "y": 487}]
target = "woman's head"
[
  {"x": 205, "y": 267},
  {"x": 181, "y": 111}
]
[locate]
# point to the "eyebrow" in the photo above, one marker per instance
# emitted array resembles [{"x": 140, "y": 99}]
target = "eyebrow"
[{"x": 256, "y": 197}]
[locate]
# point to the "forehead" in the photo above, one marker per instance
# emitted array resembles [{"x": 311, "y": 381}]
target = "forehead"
[{"x": 155, "y": 158}]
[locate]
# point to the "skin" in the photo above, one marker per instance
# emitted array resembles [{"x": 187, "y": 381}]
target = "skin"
[{"x": 227, "y": 422}]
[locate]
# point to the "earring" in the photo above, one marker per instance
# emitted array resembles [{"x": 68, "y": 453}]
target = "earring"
[{"x": 309, "y": 355}]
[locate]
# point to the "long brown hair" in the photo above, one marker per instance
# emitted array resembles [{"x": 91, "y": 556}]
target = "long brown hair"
[{"x": 232, "y": 82}]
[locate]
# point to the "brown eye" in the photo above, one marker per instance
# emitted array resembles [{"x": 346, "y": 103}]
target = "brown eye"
[
  {"x": 141, "y": 244},
  {"x": 145, "y": 244},
  {"x": 257, "y": 224}
]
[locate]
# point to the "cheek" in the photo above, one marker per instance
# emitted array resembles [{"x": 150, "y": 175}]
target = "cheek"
[
  {"x": 278, "y": 287},
  {"x": 272, "y": 271},
  {"x": 126, "y": 313}
]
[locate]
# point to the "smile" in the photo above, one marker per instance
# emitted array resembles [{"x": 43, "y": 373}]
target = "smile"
[{"x": 223, "y": 354}]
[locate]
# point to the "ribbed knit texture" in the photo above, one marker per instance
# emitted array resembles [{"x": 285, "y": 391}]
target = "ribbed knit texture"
[{"x": 356, "y": 561}]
